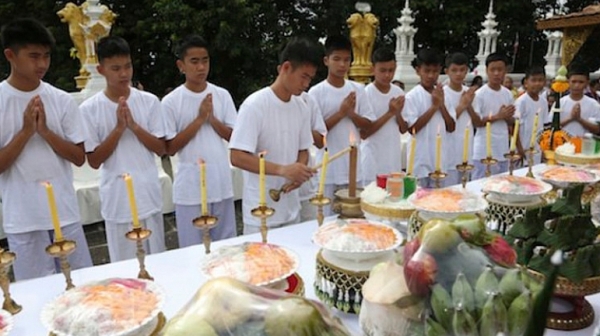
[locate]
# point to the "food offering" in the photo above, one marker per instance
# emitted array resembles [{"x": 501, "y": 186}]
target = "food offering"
[
  {"x": 571, "y": 153},
  {"x": 562, "y": 176},
  {"x": 447, "y": 203},
  {"x": 515, "y": 189},
  {"x": 377, "y": 204},
  {"x": 6, "y": 322}
]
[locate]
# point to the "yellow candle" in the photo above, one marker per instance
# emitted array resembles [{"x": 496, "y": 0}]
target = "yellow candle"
[
  {"x": 203, "y": 188},
  {"x": 536, "y": 119},
  {"x": 132, "y": 205},
  {"x": 488, "y": 137},
  {"x": 513, "y": 141},
  {"x": 323, "y": 169},
  {"x": 53, "y": 212},
  {"x": 411, "y": 157},
  {"x": 438, "y": 151},
  {"x": 261, "y": 179},
  {"x": 466, "y": 146}
]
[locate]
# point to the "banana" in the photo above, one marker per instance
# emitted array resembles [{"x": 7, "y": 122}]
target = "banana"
[
  {"x": 493, "y": 317},
  {"x": 441, "y": 304},
  {"x": 511, "y": 285},
  {"x": 485, "y": 286},
  {"x": 530, "y": 283},
  {"x": 462, "y": 293},
  {"x": 463, "y": 323},
  {"x": 433, "y": 328},
  {"x": 519, "y": 313}
]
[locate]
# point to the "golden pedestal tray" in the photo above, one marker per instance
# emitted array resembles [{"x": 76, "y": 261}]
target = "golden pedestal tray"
[{"x": 506, "y": 213}]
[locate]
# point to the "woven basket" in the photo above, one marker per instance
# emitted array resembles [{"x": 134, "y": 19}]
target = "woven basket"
[
  {"x": 578, "y": 160},
  {"x": 566, "y": 287},
  {"x": 386, "y": 212}
]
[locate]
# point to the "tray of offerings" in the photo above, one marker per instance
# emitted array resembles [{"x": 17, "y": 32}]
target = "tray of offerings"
[{"x": 515, "y": 189}]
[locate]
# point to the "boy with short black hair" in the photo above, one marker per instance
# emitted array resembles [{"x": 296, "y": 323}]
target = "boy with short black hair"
[
  {"x": 527, "y": 106},
  {"x": 125, "y": 131},
  {"x": 381, "y": 152},
  {"x": 40, "y": 138},
  {"x": 199, "y": 118},
  {"x": 427, "y": 115}
]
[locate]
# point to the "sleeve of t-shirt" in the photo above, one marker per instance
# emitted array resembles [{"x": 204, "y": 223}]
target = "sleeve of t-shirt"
[
  {"x": 316, "y": 123},
  {"x": 521, "y": 109},
  {"x": 230, "y": 113},
  {"x": 156, "y": 125},
  {"x": 169, "y": 119},
  {"x": 411, "y": 109},
  {"x": 92, "y": 137},
  {"x": 313, "y": 94},
  {"x": 364, "y": 108},
  {"x": 245, "y": 131},
  {"x": 306, "y": 138},
  {"x": 72, "y": 123}
]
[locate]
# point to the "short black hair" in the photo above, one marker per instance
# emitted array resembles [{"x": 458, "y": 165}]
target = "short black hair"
[
  {"x": 188, "y": 42},
  {"x": 26, "y": 31},
  {"x": 457, "y": 58},
  {"x": 302, "y": 51},
  {"x": 533, "y": 71},
  {"x": 111, "y": 46},
  {"x": 383, "y": 55},
  {"x": 336, "y": 43},
  {"x": 495, "y": 57},
  {"x": 578, "y": 69},
  {"x": 427, "y": 57}
]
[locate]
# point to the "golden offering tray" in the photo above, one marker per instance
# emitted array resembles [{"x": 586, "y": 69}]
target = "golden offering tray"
[
  {"x": 346, "y": 206},
  {"x": 506, "y": 213},
  {"x": 576, "y": 160},
  {"x": 386, "y": 212}
]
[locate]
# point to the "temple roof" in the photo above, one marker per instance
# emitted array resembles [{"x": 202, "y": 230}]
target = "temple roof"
[{"x": 589, "y": 16}]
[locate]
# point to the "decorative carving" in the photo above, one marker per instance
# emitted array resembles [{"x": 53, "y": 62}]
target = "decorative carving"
[
  {"x": 362, "y": 35},
  {"x": 573, "y": 39},
  {"x": 73, "y": 16}
]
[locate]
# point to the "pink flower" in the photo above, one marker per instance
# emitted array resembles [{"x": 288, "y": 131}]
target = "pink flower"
[{"x": 501, "y": 252}]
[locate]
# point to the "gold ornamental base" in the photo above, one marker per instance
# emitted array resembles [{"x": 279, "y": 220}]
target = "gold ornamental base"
[
  {"x": 361, "y": 73},
  {"x": 263, "y": 212},
  {"x": 320, "y": 201},
  {"x": 347, "y": 207},
  {"x": 139, "y": 235},
  {"x": 489, "y": 162},
  {"x": 512, "y": 157},
  {"x": 60, "y": 250},
  {"x": 464, "y": 169},
  {"x": 205, "y": 223},
  {"x": 438, "y": 176},
  {"x": 7, "y": 258}
]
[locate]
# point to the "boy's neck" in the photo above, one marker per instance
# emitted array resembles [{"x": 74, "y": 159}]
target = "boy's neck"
[
  {"x": 455, "y": 86},
  {"x": 495, "y": 87},
  {"x": 576, "y": 96},
  {"x": 280, "y": 91},
  {"x": 335, "y": 81},
  {"x": 23, "y": 84},
  {"x": 382, "y": 87},
  {"x": 114, "y": 94},
  {"x": 534, "y": 95},
  {"x": 196, "y": 87}
]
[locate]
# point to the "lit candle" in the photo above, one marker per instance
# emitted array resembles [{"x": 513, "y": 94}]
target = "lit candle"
[
  {"x": 536, "y": 120},
  {"x": 203, "y": 187},
  {"x": 353, "y": 166},
  {"x": 261, "y": 179},
  {"x": 53, "y": 212},
  {"x": 513, "y": 141},
  {"x": 438, "y": 151},
  {"x": 132, "y": 205},
  {"x": 488, "y": 136},
  {"x": 466, "y": 145},
  {"x": 323, "y": 168},
  {"x": 411, "y": 157}
]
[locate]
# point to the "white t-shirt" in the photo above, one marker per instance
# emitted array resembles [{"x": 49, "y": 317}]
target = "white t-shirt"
[
  {"x": 590, "y": 111},
  {"x": 418, "y": 101},
  {"x": 181, "y": 107},
  {"x": 488, "y": 101},
  {"x": 453, "y": 154},
  {"x": 329, "y": 98},
  {"x": 309, "y": 188},
  {"x": 130, "y": 155},
  {"x": 381, "y": 152},
  {"x": 526, "y": 108},
  {"x": 266, "y": 123},
  {"x": 24, "y": 199}
]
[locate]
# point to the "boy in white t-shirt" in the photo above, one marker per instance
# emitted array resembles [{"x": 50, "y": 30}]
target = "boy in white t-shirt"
[
  {"x": 125, "y": 131},
  {"x": 579, "y": 113},
  {"x": 458, "y": 100},
  {"x": 426, "y": 113},
  {"x": 199, "y": 118},
  {"x": 276, "y": 120},
  {"x": 345, "y": 110},
  {"x": 40, "y": 139},
  {"x": 493, "y": 103},
  {"x": 381, "y": 151},
  {"x": 527, "y": 106}
]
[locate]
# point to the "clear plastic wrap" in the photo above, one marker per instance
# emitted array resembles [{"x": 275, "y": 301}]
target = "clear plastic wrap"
[{"x": 227, "y": 307}]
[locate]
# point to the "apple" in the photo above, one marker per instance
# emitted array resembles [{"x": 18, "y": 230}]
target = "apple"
[
  {"x": 420, "y": 272},
  {"x": 410, "y": 249}
]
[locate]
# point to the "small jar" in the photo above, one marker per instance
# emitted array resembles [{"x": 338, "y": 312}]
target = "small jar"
[
  {"x": 395, "y": 186},
  {"x": 588, "y": 145}
]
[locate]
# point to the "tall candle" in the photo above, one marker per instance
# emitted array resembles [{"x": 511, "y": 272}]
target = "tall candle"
[
  {"x": 513, "y": 140},
  {"x": 536, "y": 120},
  {"x": 53, "y": 212},
  {"x": 323, "y": 168},
  {"x": 261, "y": 179},
  {"x": 132, "y": 205},
  {"x": 488, "y": 137},
  {"x": 438, "y": 151},
  {"x": 466, "y": 146},
  {"x": 203, "y": 188},
  {"x": 353, "y": 166},
  {"x": 411, "y": 157}
]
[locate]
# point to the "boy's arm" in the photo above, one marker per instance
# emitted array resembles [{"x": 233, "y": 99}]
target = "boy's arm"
[
  {"x": 151, "y": 142},
  {"x": 303, "y": 156},
  {"x": 576, "y": 116},
  {"x": 295, "y": 172},
  {"x": 394, "y": 109},
  {"x": 10, "y": 152},
  {"x": 466, "y": 101},
  {"x": 74, "y": 153},
  {"x": 222, "y": 127},
  {"x": 317, "y": 139},
  {"x": 348, "y": 105},
  {"x": 184, "y": 137},
  {"x": 105, "y": 149},
  {"x": 222, "y": 130},
  {"x": 448, "y": 120}
]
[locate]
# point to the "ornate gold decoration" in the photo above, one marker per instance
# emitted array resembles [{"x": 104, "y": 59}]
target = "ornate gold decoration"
[
  {"x": 573, "y": 39},
  {"x": 363, "y": 29},
  {"x": 74, "y": 17}
]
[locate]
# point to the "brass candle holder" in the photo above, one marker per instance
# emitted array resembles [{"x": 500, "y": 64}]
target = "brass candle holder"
[
  {"x": 6, "y": 260},
  {"x": 263, "y": 212},
  {"x": 464, "y": 168},
  {"x": 139, "y": 234},
  {"x": 530, "y": 154},
  {"x": 437, "y": 176},
  {"x": 489, "y": 162},
  {"x": 320, "y": 201},
  {"x": 512, "y": 157},
  {"x": 61, "y": 249},
  {"x": 205, "y": 223}
]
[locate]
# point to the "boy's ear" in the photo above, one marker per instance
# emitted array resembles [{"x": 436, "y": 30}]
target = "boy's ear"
[
  {"x": 179, "y": 65},
  {"x": 326, "y": 60},
  {"x": 100, "y": 69},
  {"x": 9, "y": 54}
]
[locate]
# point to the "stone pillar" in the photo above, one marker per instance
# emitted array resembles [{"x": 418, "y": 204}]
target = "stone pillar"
[
  {"x": 554, "y": 55},
  {"x": 405, "y": 34},
  {"x": 488, "y": 38}
]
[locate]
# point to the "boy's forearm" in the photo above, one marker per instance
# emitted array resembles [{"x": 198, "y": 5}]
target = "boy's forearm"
[
  {"x": 10, "y": 152},
  {"x": 222, "y": 130},
  {"x": 105, "y": 149},
  {"x": 375, "y": 126},
  {"x": 65, "y": 149},
  {"x": 149, "y": 141},
  {"x": 448, "y": 120},
  {"x": 423, "y": 120},
  {"x": 303, "y": 156},
  {"x": 334, "y": 119}
]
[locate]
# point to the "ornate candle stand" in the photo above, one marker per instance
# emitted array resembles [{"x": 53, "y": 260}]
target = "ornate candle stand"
[
  {"x": 512, "y": 157},
  {"x": 437, "y": 176},
  {"x": 347, "y": 206},
  {"x": 530, "y": 153},
  {"x": 489, "y": 162},
  {"x": 263, "y": 212},
  {"x": 205, "y": 223},
  {"x": 61, "y": 249},
  {"x": 320, "y": 201},
  {"x": 464, "y": 168},
  {"x": 6, "y": 260},
  {"x": 138, "y": 235}
]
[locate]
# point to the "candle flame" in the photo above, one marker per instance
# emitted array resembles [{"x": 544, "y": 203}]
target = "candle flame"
[
  {"x": 201, "y": 161},
  {"x": 468, "y": 124},
  {"x": 262, "y": 154},
  {"x": 125, "y": 175},
  {"x": 439, "y": 129},
  {"x": 413, "y": 131},
  {"x": 352, "y": 138},
  {"x": 46, "y": 183},
  {"x": 325, "y": 141},
  {"x": 490, "y": 115}
]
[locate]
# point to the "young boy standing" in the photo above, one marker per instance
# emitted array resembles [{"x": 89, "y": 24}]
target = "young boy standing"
[
  {"x": 40, "y": 138},
  {"x": 529, "y": 105},
  {"x": 199, "y": 118},
  {"x": 345, "y": 110},
  {"x": 494, "y": 104},
  {"x": 381, "y": 152},
  {"x": 427, "y": 115},
  {"x": 125, "y": 132},
  {"x": 458, "y": 100},
  {"x": 276, "y": 120}
]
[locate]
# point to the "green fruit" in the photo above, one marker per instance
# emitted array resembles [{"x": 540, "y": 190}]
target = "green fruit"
[
  {"x": 519, "y": 313},
  {"x": 188, "y": 325},
  {"x": 430, "y": 225},
  {"x": 441, "y": 238},
  {"x": 494, "y": 317},
  {"x": 463, "y": 323},
  {"x": 293, "y": 316},
  {"x": 472, "y": 225},
  {"x": 462, "y": 294},
  {"x": 486, "y": 285},
  {"x": 433, "y": 328},
  {"x": 442, "y": 306},
  {"x": 511, "y": 286}
]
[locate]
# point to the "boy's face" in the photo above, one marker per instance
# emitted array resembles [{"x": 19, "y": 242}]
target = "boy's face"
[
  {"x": 535, "y": 83},
  {"x": 338, "y": 63},
  {"x": 508, "y": 83},
  {"x": 30, "y": 61},
  {"x": 457, "y": 73},
  {"x": 429, "y": 74},
  {"x": 118, "y": 71},
  {"x": 297, "y": 79},
  {"x": 496, "y": 71},
  {"x": 195, "y": 65},
  {"x": 578, "y": 83},
  {"x": 384, "y": 72}
]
